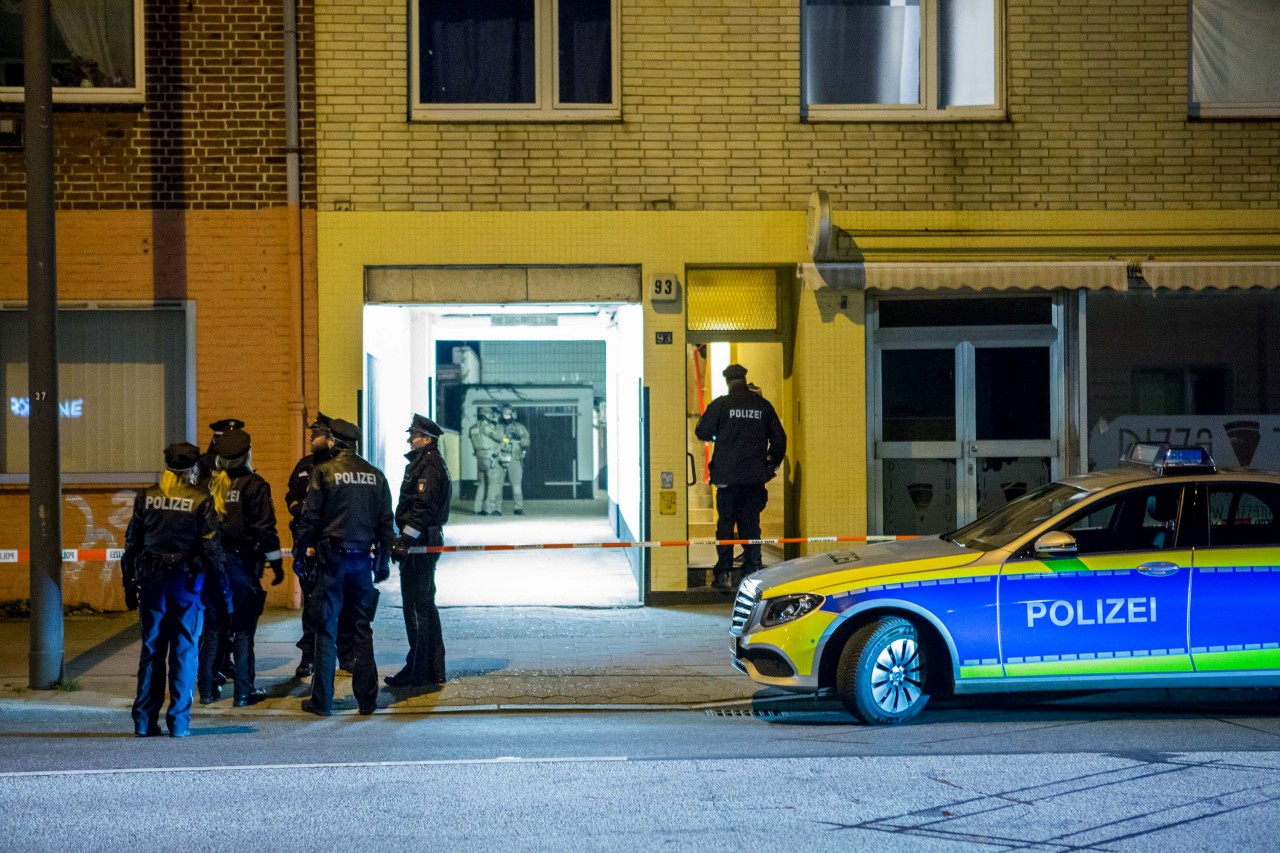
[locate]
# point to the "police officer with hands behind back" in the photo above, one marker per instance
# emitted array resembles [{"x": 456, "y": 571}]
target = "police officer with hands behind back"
[
  {"x": 248, "y": 522},
  {"x": 750, "y": 445},
  {"x": 347, "y": 520},
  {"x": 171, "y": 541},
  {"x": 421, "y": 514},
  {"x": 304, "y": 565}
]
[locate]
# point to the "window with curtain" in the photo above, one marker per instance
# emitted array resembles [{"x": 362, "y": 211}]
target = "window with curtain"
[
  {"x": 1235, "y": 61},
  {"x": 902, "y": 59},
  {"x": 94, "y": 48},
  {"x": 519, "y": 59},
  {"x": 122, "y": 387}
]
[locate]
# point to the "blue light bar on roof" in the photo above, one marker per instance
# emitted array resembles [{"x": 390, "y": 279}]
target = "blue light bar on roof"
[{"x": 1172, "y": 459}]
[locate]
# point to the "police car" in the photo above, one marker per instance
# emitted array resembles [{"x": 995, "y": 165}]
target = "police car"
[{"x": 1163, "y": 573}]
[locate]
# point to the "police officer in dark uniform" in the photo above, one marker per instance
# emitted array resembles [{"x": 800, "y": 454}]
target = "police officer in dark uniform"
[
  {"x": 207, "y": 458},
  {"x": 421, "y": 515},
  {"x": 170, "y": 542},
  {"x": 347, "y": 520},
  {"x": 249, "y": 539},
  {"x": 303, "y": 565},
  {"x": 216, "y": 613},
  {"x": 750, "y": 445}
]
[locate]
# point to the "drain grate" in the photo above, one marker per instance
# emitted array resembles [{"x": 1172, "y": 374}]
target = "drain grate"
[{"x": 738, "y": 712}]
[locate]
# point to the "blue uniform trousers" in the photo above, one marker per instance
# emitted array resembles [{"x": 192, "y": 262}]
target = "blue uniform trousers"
[
  {"x": 170, "y": 614},
  {"x": 344, "y": 588},
  {"x": 214, "y": 641}
]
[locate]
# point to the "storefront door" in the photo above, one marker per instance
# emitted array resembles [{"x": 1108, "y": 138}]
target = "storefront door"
[{"x": 964, "y": 417}]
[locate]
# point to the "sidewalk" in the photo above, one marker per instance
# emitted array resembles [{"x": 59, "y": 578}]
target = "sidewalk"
[{"x": 499, "y": 658}]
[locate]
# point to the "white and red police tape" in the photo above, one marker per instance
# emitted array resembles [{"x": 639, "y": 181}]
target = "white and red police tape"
[{"x": 100, "y": 555}]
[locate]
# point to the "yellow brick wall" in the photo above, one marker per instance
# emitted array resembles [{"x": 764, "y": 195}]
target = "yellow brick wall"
[
  {"x": 828, "y": 449},
  {"x": 235, "y": 266},
  {"x": 657, "y": 242},
  {"x": 1097, "y": 119}
]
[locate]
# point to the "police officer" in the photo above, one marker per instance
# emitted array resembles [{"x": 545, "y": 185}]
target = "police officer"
[
  {"x": 303, "y": 565},
  {"x": 216, "y": 613},
  {"x": 207, "y": 458},
  {"x": 347, "y": 520},
  {"x": 421, "y": 514},
  {"x": 170, "y": 542},
  {"x": 750, "y": 445},
  {"x": 515, "y": 444},
  {"x": 249, "y": 539},
  {"x": 486, "y": 439}
]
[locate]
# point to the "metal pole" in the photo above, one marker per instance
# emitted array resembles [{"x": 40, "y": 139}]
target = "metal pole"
[{"x": 42, "y": 355}]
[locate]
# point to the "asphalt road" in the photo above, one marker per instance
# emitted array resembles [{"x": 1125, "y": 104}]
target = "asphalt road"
[{"x": 971, "y": 776}]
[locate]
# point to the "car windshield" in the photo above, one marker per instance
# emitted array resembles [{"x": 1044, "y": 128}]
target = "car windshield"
[{"x": 999, "y": 528}]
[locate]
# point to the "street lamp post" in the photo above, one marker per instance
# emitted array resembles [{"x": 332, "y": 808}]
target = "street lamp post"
[{"x": 42, "y": 354}]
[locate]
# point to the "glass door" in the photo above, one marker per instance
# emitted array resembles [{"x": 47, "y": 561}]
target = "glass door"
[{"x": 964, "y": 419}]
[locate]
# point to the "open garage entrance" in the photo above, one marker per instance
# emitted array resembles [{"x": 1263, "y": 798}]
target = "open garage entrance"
[{"x": 570, "y": 374}]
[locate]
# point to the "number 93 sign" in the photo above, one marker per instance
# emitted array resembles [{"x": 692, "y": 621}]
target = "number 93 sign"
[{"x": 664, "y": 287}]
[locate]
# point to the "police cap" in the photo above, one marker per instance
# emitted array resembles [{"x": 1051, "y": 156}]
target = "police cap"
[
  {"x": 181, "y": 456},
  {"x": 423, "y": 425},
  {"x": 735, "y": 371},
  {"x": 321, "y": 423},
  {"x": 226, "y": 424},
  {"x": 344, "y": 430},
  {"x": 232, "y": 444}
]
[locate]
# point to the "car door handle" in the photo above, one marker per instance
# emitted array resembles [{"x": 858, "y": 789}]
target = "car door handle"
[{"x": 1159, "y": 569}]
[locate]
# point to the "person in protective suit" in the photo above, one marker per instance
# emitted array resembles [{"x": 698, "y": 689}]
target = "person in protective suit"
[
  {"x": 750, "y": 445},
  {"x": 346, "y": 520},
  {"x": 421, "y": 514},
  {"x": 248, "y": 523},
  {"x": 304, "y": 566},
  {"x": 486, "y": 439},
  {"x": 515, "y": 444},
  {"x": 170, "y": 543}
]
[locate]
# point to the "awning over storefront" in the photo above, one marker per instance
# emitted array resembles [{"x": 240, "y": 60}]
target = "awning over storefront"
[
  {"x": 1211, "y": 275},
  {"x": 1014, "y": 275}
]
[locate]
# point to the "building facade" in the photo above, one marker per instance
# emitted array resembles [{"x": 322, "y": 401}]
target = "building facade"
[
  {"x": 1042, "y": 227},
  {"x": 185, "y": 273}
]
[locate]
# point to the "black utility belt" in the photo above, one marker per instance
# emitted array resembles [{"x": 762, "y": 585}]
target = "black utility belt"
[{"x": 159, "y": 561}]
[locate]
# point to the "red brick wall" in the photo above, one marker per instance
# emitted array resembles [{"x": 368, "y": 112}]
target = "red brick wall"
[
  {"x": 235, "y": 266},
  {"x": 211, "y": 134}
]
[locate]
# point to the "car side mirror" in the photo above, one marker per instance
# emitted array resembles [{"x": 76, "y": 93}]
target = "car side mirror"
[{"x": 1055, "y": 544}]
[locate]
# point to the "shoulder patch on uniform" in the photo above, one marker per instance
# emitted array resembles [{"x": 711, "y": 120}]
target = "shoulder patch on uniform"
[{"x": 422, "y": 485}]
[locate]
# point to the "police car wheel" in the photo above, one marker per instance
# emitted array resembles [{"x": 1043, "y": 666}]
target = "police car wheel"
[{"x": 881, "y": 676}]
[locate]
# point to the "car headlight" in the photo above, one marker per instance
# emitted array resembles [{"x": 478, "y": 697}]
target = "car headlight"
[{"x": 788, "y": 608}]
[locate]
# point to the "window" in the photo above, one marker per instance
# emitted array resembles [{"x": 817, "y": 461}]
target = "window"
[
  {"x": 1140, "y": 520},
  {"x": 478, "y": 60},
  {"x": 1243, "y": 516},
  {"x": 125, "y": 383},
  {"x": 95, "y": 47},
  {"x": 1235, "y": 67},
  {"x": 902, "y": 59}
]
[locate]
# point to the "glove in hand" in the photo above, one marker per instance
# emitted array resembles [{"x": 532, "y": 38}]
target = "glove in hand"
[
  {"x": 131, "y": 597},
  {"x": 400, "y": 548},
  {"x": 381, "y": 571},
  {"x": 277, "y": 571}
]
